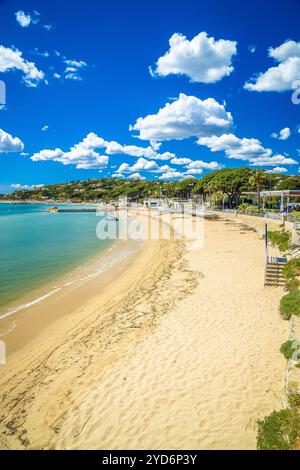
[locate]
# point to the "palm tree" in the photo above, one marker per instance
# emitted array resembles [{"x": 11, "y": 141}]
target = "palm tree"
[
  {"x": 210, "y": 188},
  {"x": 258, "y": 179}
]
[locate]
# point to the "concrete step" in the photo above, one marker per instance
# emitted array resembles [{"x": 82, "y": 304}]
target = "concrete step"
[
  {"x": 272, "y": 268},
  {"x": 277, "y": 284},
  {"x": 274, "y": 275}
]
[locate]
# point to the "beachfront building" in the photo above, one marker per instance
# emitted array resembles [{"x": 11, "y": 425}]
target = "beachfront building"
[
  {"x": 157, "y": 203},
  {"x": 283, "y": 200},
  {"x": 289, "y": 199}
]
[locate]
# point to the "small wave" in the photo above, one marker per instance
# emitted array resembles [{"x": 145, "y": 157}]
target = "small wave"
[
  {"x": 29, "y": 304},
  {"x": 107, "y": 261}
]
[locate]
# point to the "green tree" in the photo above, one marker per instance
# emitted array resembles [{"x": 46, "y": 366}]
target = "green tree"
[
  {"x": 184, "y": 188},
  {"x": 291, "y": 182},
  {"x": 229, "y": 181}
]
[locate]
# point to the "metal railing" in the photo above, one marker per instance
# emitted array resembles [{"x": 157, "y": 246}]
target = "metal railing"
[
  {"x": 264, "y": 215},
  {"x": 199, "y": 209}
]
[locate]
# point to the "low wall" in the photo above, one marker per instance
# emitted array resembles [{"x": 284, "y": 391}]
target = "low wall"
[{"x": 258, "y": 223}]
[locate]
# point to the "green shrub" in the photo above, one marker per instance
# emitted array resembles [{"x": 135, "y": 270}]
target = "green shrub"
[
  {"x": 291, "y": 269},
  {"x": 293, "y": 284},
  {"x": 288, "y": 349},
  {"x": 280, "y": 239},
  {"x": 243, "y": 207},
  {"x": 279, "y": 431},
  {"x": 294, "y": 395},
  {"x": 296, "y": 215},
  {"x": 294, "y": 399},
  {"x": 290, "y": 304},
  {"x": 252, "y": 210}
]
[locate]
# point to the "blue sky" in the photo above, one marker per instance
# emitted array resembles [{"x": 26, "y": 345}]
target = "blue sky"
[{"x": 81, "y": 69}]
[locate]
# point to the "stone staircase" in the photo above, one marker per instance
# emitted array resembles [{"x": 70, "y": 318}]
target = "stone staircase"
[{"x": 274, "y": 273}]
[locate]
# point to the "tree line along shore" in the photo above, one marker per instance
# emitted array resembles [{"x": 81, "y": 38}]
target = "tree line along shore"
[{"x": 226, "y": 184}]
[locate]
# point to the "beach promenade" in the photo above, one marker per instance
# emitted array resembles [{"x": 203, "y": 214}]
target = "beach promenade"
[{"x": 179, "y": 351}]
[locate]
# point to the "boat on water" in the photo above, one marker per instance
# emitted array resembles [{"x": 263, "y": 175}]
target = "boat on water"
[{"x": 52, "y": 209}]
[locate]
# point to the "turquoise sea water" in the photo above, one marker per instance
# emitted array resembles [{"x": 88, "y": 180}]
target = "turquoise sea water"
[{"x": 37, "y": 247}]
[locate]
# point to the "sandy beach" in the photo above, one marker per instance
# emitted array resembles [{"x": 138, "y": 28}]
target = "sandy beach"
[{"x": 179, "y": 349}]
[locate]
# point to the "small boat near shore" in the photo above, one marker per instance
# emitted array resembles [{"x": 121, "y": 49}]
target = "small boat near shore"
[{"x": 53, "y": 209}]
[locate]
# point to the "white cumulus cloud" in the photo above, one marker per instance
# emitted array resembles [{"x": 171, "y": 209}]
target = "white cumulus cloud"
[
  {"x": 9, "y": 143},
  {"x": 203, "y": 59},
  {"x": 272, "y": 161},
  {"x": 183, "y": 118},
  {"x": 278, "y": 169},
  {"x": 171, "y": 175},
  {"x": 284, "y": 134},
  {"x": 114, "y": 148},
  {"x": 84, "y": 154},
  {"x": 283, "y": 76},
  {"x": 196, "y": 164},
  {"x": 12, "y": 59},
  {"x": 143, "y": 165},
  {"x": 136, "y": 176},
  {"x": 194, "y": 171},
  {"x": 234, "y": 147},
  {"x": 25, "y": 19},
  {"x": 81, "y": 155},
  {"x": 180, "y": 161},
  {"x": 117, "y": 175},
  {"x": 250, "y": 150}
]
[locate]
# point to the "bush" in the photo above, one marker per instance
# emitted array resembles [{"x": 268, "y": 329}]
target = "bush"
[
  {"x": 294, "y": 398},
  {"x": 279, "y": 431},
  {"x": 291, "y": 269},
  {"x": 293, "y": 284},
  {"x": 280, "y": 239},
  {"x": 243, "y": 207},
  {"x": 288, "y": 349},
  {"x": 290, "y": 304},
  {"x": 252, "y": 210}
]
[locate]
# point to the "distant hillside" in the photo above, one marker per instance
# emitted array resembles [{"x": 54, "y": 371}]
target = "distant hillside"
[{"x": 106, "y": 189}]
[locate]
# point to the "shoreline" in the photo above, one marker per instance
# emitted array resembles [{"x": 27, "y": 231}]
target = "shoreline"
[
  {"x": 65, "y": 294},
  {"x": 91, "y": 266},
  {"x": 176, "y": 352}
]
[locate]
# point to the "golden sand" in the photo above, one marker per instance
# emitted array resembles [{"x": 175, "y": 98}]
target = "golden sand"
[{"x": 181, "y": 350}]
